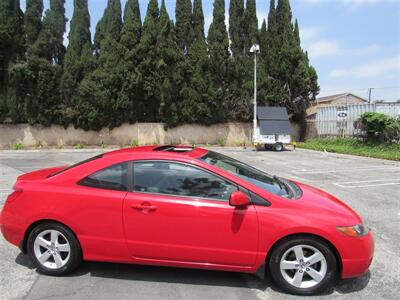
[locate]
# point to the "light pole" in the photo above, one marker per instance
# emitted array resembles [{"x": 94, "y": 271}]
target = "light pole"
[{"x": 255, "y": 49}]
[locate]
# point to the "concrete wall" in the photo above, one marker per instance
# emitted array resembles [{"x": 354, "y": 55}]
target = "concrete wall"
[{"x": 143, "y": 133}]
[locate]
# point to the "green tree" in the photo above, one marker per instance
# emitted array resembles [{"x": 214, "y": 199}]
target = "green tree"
[
  {"x": 148, "y": 106},
  {"x": 132, "y": 27},
  {"x": 98, "y": 94},
  {"x": 38, "y": 78},
  {"x": 22, "y": 78},
  {"x": 33, "y": 20},
  {"x": 130, "y": 38},
  {"x": 172, "y": 88},
  {"x": 236, "y": 29},
  {"x": 11, "y": 51},
  {"x": 198, "y": 104},
  {"x": 183, "y": 25},
  {"x": 218, "y": 47},
  {"x": 78, "y": 60},
  {"x": 250, "y": 25}
]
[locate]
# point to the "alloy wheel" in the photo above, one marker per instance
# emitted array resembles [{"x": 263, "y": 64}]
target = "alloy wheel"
[
  {"x": 52, "y": 249},
  {"x": 303, "y": 266}
]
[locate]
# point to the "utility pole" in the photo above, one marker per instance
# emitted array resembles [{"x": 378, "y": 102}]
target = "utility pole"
[
  {"x": 255, "y": 49},
  {"x": 369, "y": 95}
]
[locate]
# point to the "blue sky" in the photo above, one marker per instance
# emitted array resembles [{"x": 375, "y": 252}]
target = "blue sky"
[{"x": 353, "y": 44}]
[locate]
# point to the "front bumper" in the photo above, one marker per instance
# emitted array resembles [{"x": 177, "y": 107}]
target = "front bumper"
[{"x": 358, "y": 256}]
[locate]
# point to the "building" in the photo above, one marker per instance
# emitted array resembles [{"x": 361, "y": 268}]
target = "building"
[{"x": 343, "y": 99}]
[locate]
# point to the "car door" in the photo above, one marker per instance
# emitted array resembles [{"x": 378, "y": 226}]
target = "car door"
[
  {"x": 100, "y": 198},
  {"x": 178, "y": 212}
]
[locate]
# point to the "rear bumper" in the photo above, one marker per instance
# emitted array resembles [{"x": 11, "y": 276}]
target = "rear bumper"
[
  {"x": 11, "y": 231},
  {"x": 358, "y": 259}
]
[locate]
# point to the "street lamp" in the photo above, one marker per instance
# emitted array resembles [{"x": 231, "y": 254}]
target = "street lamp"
[{"x": 255, "y": 49}]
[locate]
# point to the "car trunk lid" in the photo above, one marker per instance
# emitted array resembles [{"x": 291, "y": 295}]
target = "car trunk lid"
[{"x": 40, "y": 174}]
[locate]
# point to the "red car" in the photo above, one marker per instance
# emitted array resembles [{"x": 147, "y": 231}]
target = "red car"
[{"x": 185, "y": 207}]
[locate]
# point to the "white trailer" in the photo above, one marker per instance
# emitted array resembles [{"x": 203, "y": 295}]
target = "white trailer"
[{"x": 273, "y": 129}]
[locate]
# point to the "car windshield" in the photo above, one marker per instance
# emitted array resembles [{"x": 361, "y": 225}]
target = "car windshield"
[{"x": 265, "y": 181}]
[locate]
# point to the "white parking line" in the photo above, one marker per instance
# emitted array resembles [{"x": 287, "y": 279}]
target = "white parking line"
[
  {"x": 368, "y": 183},
  {"x": 305, "y": 171}
]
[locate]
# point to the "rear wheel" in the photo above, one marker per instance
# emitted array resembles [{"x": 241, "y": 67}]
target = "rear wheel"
[
  {"x": 303, "y": 265},
  {"x": 278, "y": 147},
  {"x": 54, "y": 249}
]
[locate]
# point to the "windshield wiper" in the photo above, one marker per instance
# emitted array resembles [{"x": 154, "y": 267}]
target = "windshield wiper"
[{"x": 282, "y": 185}]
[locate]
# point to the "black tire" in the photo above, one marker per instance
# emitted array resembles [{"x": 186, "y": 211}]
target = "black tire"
[
  {"x": 276, "y": 273},
  {"x": 278, "y": 147},
  {"x": 267, "y": 147},
  {"x": 74, "y": 258}
]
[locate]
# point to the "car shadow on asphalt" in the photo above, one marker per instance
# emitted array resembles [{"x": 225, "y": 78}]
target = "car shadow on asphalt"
[{"x": 192, "y": 276}]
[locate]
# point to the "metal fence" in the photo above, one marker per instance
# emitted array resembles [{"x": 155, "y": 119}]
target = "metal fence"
[{"x": 343, "y": 120}]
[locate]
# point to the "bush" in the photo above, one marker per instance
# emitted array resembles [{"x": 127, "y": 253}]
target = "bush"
[
  {"x": 381, "y": 127},
  {"x": 18, "y": 146}
]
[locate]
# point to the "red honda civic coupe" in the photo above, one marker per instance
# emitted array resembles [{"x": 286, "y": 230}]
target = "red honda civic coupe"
[{"x": 185, "y": 207}]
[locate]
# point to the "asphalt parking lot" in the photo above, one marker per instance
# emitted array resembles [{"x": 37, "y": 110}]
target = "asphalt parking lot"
[{"x": 370, "y": 186}]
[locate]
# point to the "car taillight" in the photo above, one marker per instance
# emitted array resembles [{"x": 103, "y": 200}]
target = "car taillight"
[{"x": 14, "y": 195}]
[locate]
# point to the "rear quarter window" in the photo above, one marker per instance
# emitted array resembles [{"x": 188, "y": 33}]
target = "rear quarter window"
[{"x": 114, "y": 177}]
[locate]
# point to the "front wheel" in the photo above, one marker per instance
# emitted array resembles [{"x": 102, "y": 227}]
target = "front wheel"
[
  {"x": 303, "y": 265},
  {"x": 54, "y": 249}
]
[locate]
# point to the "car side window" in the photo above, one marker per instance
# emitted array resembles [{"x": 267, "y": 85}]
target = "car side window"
[
  {"x": 114, "y": 177},
  {"x": 179, "y": 179}
]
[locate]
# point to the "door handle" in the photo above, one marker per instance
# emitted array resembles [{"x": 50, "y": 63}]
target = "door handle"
[{"x": 144, "y": 206}]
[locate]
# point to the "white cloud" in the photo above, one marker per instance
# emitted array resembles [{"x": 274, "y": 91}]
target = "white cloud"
[
  {"x": 309, "y": 33},
  {"x": 349, "y": 2},
  {"x": 371, "y": 49},
  {"x": 324, "y": 48},
  {"x": 377, "y": 68},
  {"x": 362, "y": 2}
]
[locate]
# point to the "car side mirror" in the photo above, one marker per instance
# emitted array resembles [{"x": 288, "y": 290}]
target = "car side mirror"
[{"x": 239, "y": 199}]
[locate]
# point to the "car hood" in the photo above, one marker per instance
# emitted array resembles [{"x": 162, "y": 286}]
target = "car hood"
[{"x": 319, "y": 201}]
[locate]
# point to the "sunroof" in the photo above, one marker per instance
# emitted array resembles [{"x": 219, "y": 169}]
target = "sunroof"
[{"x": 172, "y": 148}]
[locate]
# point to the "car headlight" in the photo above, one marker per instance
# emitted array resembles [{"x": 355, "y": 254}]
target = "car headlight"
[{"x": 354, "y": 231}]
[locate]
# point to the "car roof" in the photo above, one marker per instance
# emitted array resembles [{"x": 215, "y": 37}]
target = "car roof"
[{"x": 161, "y": 150}]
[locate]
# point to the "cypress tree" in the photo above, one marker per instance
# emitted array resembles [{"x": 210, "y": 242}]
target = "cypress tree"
[
  {"x": 170, "y": 70},
  {"x": 218, "y": 45},
  {"x": 130, "y": 39},
  {"x": 148, "y": 106},
  {"x": 183, "y": 25},
  {"x": 78, "y": 59},
  {"x": 11, "y": 51},
  {"x": 250, "y": 25},
  {"x": 45, "y": 61},
  {"x": 33, "y": 20},
  {"x": 49, "y": 44},
  {"x": 132, "y": 27},
  {"x": 270, "y": 52},
  {"x": 263, "y": 38},
  {"x": 197, "y": 103},
  {"x": 11, "y": 36},
  {"x": 109, "y": 25},
  {"x": 236, "y": 29},
  {"x": 23, "y": 76},
  {"x": 98, "y": 98}
]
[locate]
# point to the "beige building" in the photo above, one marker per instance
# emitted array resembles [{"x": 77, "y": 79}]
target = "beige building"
[{"x": 334, "y": 100}]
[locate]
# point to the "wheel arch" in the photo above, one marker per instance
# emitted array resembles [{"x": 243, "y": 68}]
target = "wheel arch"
[
  {"x": 306, "y": 234},
  {"x": 24, "y": 243}
]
